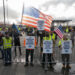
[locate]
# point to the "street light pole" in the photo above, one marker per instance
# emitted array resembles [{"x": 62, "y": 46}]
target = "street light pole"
[{"x": 4, "y": 11}]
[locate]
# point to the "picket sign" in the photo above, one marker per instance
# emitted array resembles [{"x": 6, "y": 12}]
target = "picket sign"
[
  {"x": 66, "y": 47},
  {"x": 47, "y": 46}
]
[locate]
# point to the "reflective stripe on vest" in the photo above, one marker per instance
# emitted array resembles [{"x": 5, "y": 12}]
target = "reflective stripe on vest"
[{"x": 7, "y": 43}]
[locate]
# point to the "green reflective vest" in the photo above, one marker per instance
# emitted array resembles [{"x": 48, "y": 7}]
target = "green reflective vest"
[
  {"x": 53, "y": 36},
  {"x": 60, "y": 42},
  {"x": 0, "y": 29},
  {"x": 47, "y": 38},
  {"x": 67, "y": 30},
  {"x": 19, "y": 29},
  {"x": 7, "y": 43}
]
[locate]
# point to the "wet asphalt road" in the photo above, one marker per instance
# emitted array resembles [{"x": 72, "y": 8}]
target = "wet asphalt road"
[{"x": 17, "y": 67}]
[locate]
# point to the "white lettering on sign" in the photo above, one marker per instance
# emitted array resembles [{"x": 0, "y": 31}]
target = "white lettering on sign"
[
  {"x": 66, "y": 47},
  {"x": 30, "y": 42},
  {"x": 47, "y": 46}
]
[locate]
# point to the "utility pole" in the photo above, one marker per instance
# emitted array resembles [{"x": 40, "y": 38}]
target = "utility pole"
[
  {"x": 22, "y": 13},
  {"x": 4, "y": 11}
]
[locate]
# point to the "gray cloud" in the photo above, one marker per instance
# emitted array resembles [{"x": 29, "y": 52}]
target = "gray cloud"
[
  {"x": 11, "y": 13},
  {"x": 47, "y": 4}
]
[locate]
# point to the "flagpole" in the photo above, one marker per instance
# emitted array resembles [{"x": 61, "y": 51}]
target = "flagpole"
[
  {"x": 22, "y": 13},
  {"x": 4, "y": 11}
]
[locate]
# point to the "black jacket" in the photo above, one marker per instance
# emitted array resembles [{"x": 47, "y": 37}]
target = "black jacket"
[{"x": 16, "y": 38}]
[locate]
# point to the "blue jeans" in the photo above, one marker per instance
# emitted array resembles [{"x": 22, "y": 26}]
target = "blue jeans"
[{"x": 7, "y": 56}]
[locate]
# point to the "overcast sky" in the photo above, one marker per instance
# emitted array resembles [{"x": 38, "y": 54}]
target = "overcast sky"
[{"x": 58, "y": 9}]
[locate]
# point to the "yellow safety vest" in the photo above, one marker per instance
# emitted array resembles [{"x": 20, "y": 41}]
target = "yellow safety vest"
[
  {"x": 19, "y": 29},
  {"x": 47, "y": 38},
  {"x": 67, "y": 30},
  {"x": 7, "y": 43},
  {"x": 60, "y": 42},
  {"x": 50, "y": 37},
  {"x": 44, "y": 38},
  {"x": 53, "y": 36},
  {"x": 0, "y": 29}
]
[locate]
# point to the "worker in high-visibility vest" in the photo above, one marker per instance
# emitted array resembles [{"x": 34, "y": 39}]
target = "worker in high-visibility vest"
[
  {"x": 49, "y": 55},
  {"x": 29, "y": 51},
  {"x": 19, "y": 28},
  {"x": 54, "y": 39},
  {"x": 65, "y": 56},
  {"x": 67, "y": 30},
  {"x": 0, "y": 29},
  {"x": 7, "y": 45},
  {"x": 1, "y": 45}
]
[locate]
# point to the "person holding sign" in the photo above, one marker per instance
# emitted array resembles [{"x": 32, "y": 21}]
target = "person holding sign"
[
  {"x": 66, "y": 46},
  {"x": 47, "y": 50},
  {"x": 54, "y": 38},
  {"x": 29, "y": 43}
]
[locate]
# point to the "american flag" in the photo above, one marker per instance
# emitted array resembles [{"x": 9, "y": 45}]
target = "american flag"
[
  {"x": 32, "y": 15},
  {"x": 59, "y": 31}
]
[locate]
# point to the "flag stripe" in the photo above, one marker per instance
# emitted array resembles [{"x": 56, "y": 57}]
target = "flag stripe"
[
  {"x": 59, "y": 33},
  {"x": 29, "y": 25},
  {"x": 47, "y": 26},
  {"x": 29, "y": 17},
  {"x": 47, "y": 22},
  {"x": 30, "y": 21},
  {"x": 47, "y": 30},
  {"x": 32, "y": 17}
]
